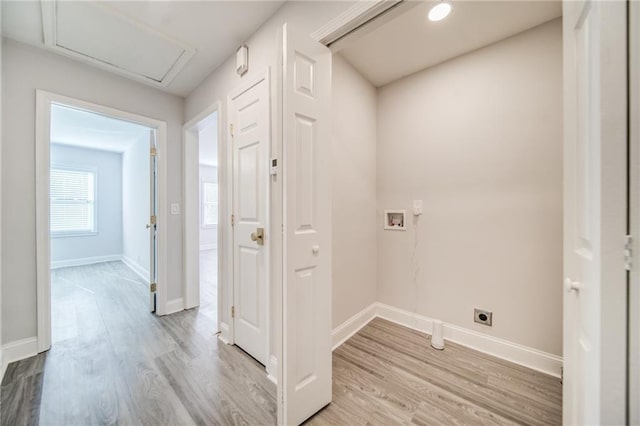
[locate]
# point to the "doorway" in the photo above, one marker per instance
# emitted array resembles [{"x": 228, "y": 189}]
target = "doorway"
[
  {"x": 208, "y": 207},
  {"x": 102, "y": 244},
  {"x": 99, "y": 199}
]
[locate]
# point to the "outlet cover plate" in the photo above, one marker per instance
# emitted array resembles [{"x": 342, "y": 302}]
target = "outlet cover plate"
[{"x": 482, "y": 317}]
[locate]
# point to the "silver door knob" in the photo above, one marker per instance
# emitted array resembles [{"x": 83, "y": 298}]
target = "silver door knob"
[
  {"x": 315, "y": 249},
  {"x": 570, "y": 285}
]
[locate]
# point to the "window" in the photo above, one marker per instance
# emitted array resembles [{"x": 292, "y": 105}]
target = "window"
[
  {"x": 209, "y": 204},
  {"x": 73, "y": 205}
]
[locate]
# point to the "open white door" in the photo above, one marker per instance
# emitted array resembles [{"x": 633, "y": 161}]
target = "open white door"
[
  {"x": 152, "y": 225},
  {"x": 250, "y": 138},
  {"x": 306, "y": 155},
  {"x": 595, "y": 144},
  {"x": 634, "y": 143}
]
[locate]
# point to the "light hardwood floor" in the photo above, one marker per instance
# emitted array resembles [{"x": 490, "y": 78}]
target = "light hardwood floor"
[
  {"x": 388, "y": 374},
  {"x": 114, "y": 363}
]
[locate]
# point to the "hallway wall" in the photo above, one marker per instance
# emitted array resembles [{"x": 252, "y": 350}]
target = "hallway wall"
[{"x": 25, "y": 69}]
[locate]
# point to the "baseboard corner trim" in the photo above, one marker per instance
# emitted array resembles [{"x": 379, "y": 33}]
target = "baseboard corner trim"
[
  {"x": 139, "y": 270},
  {"x": 175, "y": 305},
  {"x": 18, "y": 350},
  {"x": 344, "y": 331}
]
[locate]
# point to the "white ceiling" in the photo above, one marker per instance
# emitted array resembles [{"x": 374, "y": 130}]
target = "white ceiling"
[
  {"x": 410, "y": 42},
  {"x": 70, "y": 126},
  {"x": 214, "y": 29}
]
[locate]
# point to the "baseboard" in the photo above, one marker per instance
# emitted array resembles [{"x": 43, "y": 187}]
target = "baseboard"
[
  {"x": 207, "y": 246},
  {"x": 513, "y": 352},
  {"x": 15, "y": 351},
  {"x": 272, "y": 369},
  {"x": 85, "y": 261},
  {"x": 175, "y": 305},
  {"x": 344, "y": 331},
  {"x": 224, "y": 335},
  {"x": 140, "y": 271}
]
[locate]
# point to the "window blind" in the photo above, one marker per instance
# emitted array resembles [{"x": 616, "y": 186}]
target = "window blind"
[{"x": 72, "y": 201}]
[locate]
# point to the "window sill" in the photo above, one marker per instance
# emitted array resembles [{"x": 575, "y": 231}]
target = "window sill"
[{"x": 73, "y": 234}]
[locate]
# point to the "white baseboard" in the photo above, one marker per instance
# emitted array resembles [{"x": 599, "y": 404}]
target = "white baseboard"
[
  {"x": 272, "y": 369},
  {"x": 224, "y": 335},
  {"x": 15, "y": 351},
  {"x": 85, "y": 261},
  {"x": 207, "y": 246},
  {"x": 140, "y": 271},
  {"x": 344, "y": 331},
  {"x": 175, "y": 305},
  {"x": 519, "y": 354}
]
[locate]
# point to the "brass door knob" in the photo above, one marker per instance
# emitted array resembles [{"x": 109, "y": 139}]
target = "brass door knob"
[{"x": 258, "y": 236}]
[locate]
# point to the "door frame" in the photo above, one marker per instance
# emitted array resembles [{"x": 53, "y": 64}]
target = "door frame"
[
  {"x": 191, "y": 219},
  {"x": 44, "y": 101}
]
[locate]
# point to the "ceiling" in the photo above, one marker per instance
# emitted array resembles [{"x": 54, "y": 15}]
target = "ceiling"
[
  {"x": 410, "y": 42},
  {"x": 70, "y": 126},
  {"x": 172, "y": 45}
]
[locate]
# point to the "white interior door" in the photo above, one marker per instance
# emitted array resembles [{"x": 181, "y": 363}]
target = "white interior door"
[
  {"x": 250, "y": 135},
  {"x": 595, "y": 212},
  {"x": 634, "y": 285},
  {"x": 152, "y": 225},
  {"x": 306, "y": 88}
]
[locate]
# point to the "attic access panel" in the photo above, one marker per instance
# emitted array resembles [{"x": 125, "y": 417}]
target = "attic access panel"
[{"x": 96, "y": 34}]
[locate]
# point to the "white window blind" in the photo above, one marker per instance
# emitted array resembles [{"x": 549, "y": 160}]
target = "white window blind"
[
  {"x": 72, "y": 201},
  {"x": 209, "y": 203}
]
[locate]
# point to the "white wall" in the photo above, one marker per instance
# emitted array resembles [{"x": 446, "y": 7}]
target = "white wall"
[
  {"x": 208, "y": 234},
  {"x": 108, "y": 239},
  {"x": 136, "y": 207},
  {"x": 25, "y": 69},
  {"x": 479, "y": 140},
  {"x": 354, "y": 191}
]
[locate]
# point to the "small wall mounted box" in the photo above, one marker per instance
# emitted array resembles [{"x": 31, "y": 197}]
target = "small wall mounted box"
[{"x": 395, "y": 220}]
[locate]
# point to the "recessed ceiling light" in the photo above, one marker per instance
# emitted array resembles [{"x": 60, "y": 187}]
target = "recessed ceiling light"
[{"x": 440, "y": 10}]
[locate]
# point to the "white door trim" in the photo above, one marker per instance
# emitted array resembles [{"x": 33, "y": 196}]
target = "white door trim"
[
  {"x": 246, "y": 85},
  {"x": 43, "y": 252},
  {"x": 191, "y": 219}
]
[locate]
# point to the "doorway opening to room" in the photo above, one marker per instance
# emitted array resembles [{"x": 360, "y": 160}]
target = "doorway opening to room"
[
  {"x": 98, "y": 216},
  {"x": 101, "y": 188},
  {"x": 208, "y": 208}
]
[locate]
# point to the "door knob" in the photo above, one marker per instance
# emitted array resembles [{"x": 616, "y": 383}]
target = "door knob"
[
  {"x": 258, "y": 236},
  {"x": 571, "y": 285},
  {"x": 148, "y": 226},
  {"x": 315, "y": 249}
]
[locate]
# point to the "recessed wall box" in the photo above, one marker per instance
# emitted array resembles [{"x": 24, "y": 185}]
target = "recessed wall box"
[{"x": 395, "y": 220}]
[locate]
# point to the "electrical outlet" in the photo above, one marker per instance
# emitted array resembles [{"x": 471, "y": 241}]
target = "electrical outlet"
[{"x": 482, "y": 317}]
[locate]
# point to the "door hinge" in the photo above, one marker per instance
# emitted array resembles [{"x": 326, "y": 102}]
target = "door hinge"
[
  {"x": 233, "y": 219},
  {"x": 233, "y": 312},
  {"x": 628, "y": 252},
  {"x": 231, "y": 129},
  {"x": 154, "y": 151},
  {"x": 153, "y": 287},
  {"x": 152, "y": 220}
]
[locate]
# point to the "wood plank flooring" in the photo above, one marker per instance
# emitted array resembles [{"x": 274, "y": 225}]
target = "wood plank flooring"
[
  {"x": 114, "y": 363},
  {"x": 388, "y": 374}
]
